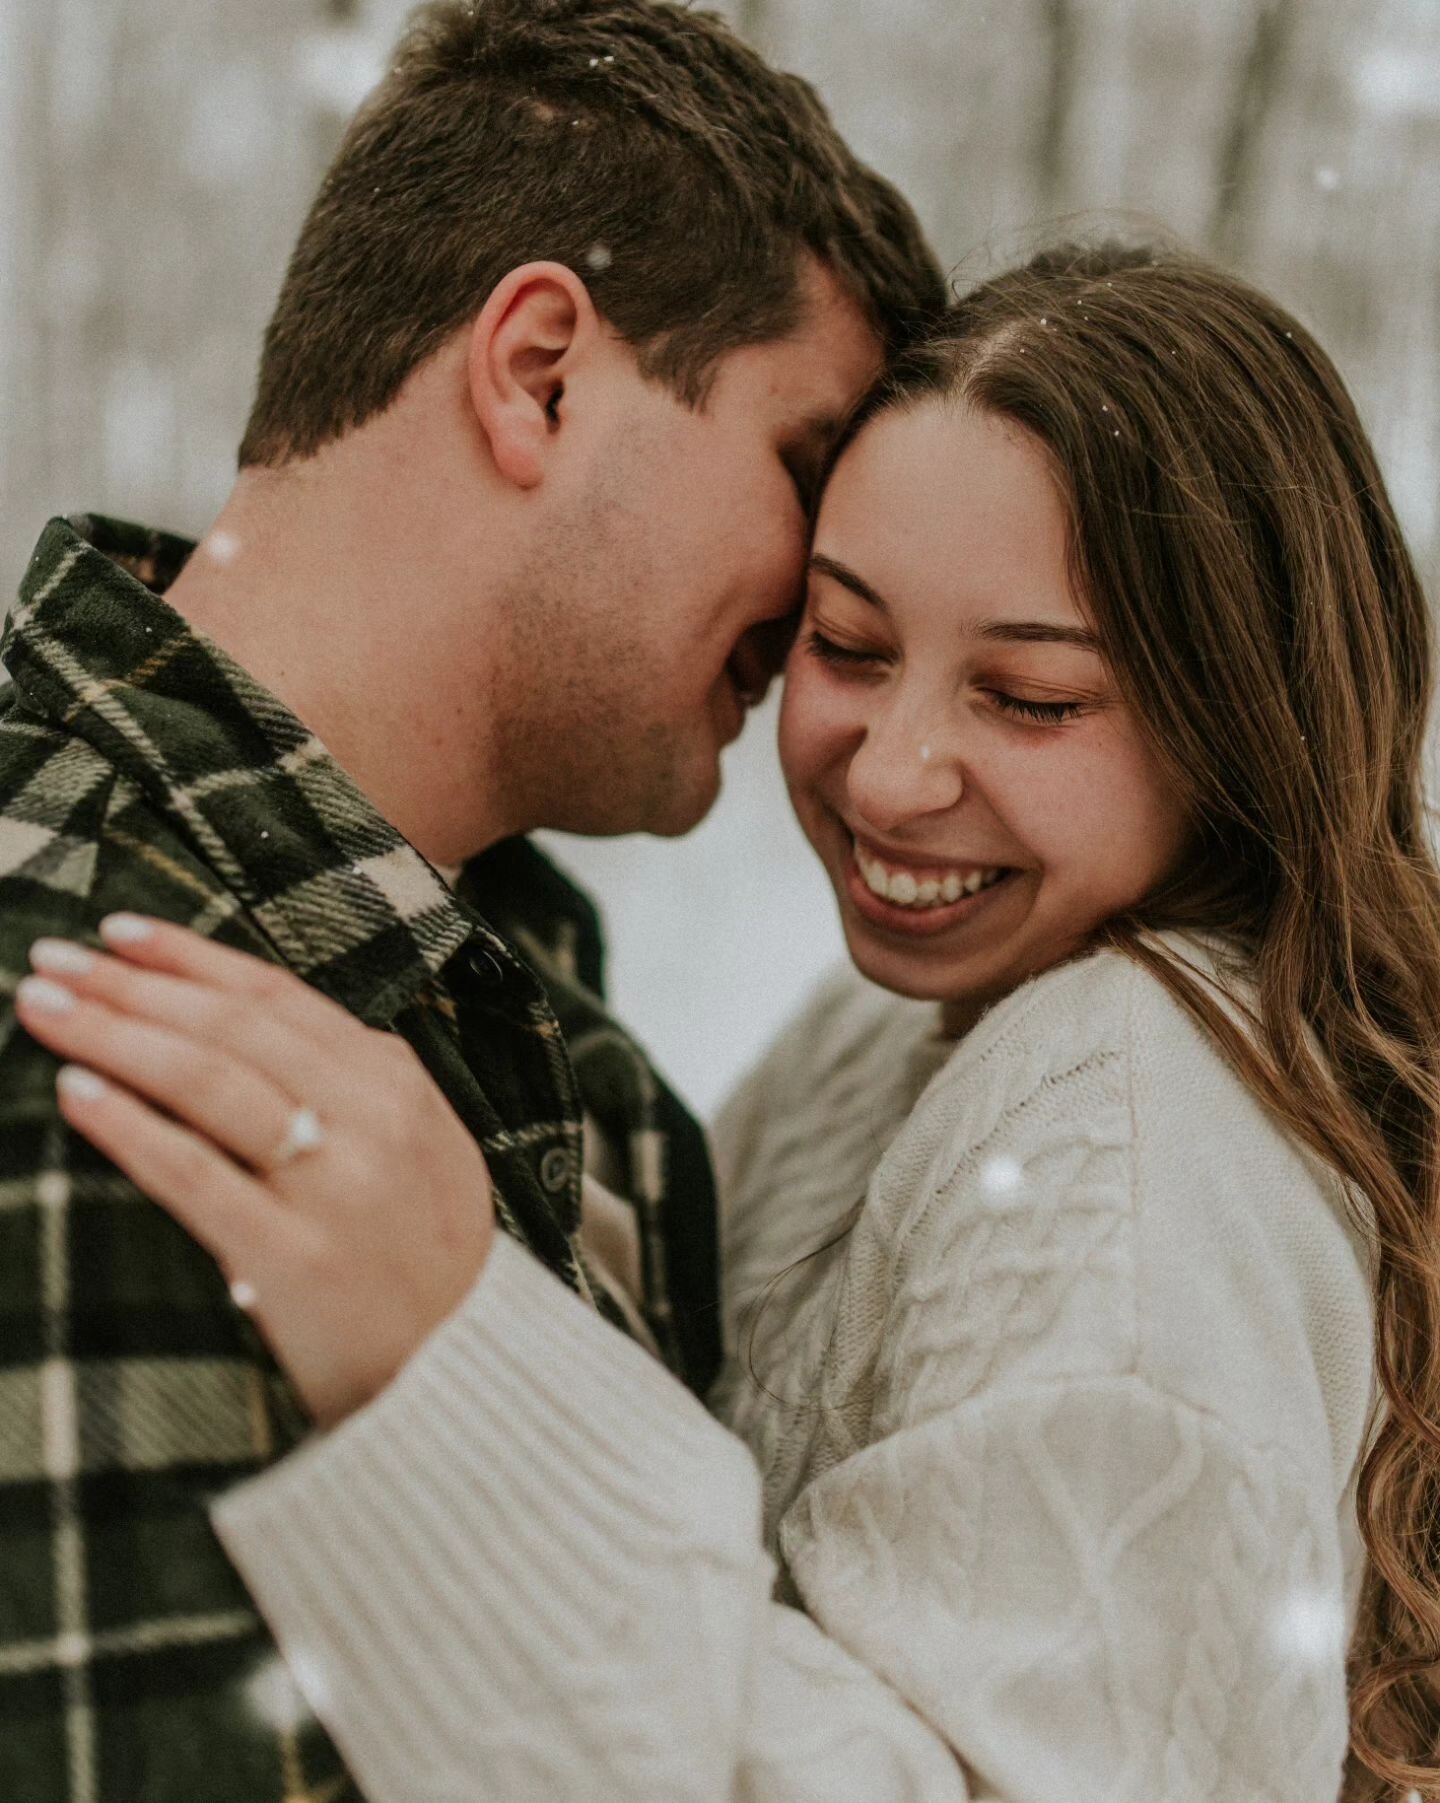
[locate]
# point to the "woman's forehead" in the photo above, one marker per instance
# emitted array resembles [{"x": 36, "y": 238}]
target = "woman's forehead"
[{"x": 943, "y": 501}]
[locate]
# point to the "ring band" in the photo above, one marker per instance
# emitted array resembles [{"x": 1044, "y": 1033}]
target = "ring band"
[{"x": 303, "y": 1133}]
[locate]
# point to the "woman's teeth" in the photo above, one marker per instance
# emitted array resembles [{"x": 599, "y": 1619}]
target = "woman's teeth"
[{"x": 921, "y": 888}]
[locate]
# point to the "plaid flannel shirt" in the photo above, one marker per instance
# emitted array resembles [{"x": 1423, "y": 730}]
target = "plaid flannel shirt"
[{"x": 142, "y": 768}]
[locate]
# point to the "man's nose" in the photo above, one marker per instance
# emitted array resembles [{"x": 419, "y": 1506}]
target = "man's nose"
[{"x": 904, "y": 770}]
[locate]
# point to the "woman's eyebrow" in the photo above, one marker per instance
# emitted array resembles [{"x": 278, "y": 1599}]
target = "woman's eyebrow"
[
  {"x": 857, "y": 585},
  {"x": 1037, "y": 632},
  {"x": 995, "y": 632}
]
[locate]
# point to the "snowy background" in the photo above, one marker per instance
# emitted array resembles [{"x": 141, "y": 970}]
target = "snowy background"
[{"x": 156, "y": 159}]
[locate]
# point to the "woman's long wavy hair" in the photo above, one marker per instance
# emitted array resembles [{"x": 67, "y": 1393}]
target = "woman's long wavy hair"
[{"x": 1234, "y": 542}]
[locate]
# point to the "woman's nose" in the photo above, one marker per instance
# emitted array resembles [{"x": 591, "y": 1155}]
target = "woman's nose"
[{"x": 902, "y": 771}]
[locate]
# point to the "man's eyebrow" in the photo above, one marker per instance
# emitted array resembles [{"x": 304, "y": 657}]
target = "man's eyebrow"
[{"x": 994, "y": 632}]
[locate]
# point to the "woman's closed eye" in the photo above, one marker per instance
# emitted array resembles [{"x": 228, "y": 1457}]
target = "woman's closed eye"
[
  {"x": 862, "y": 659},
  {"x": 1046, "y": 713},
  {"x": 845, "y": 657}
]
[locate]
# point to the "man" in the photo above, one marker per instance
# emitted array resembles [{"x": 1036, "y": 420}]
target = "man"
[{"x": 522, "y": 502}]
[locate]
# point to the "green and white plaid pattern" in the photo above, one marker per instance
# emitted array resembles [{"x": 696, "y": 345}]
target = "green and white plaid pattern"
[{"x": 141, "y": 768}]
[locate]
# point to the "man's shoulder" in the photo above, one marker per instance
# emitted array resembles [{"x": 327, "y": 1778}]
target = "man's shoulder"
[
  {"x": 79, "y": 838},
  {"x": 55, "y": 792},
  {"x": 78, "y": 841}
]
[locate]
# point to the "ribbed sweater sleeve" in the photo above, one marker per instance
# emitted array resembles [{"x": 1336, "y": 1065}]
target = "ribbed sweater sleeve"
[{"x": 532, "y": 1569}]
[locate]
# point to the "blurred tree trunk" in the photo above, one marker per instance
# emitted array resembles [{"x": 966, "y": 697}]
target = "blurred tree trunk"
[{"x": 161, "y": 159}]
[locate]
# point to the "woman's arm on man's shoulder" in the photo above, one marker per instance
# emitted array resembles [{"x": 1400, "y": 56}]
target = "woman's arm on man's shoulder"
[{"x": 532, "y": 1568}]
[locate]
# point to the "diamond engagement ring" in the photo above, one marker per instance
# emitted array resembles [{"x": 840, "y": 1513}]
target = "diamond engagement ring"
[{"x": 303, "y": 1133}]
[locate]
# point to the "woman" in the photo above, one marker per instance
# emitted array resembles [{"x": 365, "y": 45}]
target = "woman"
[{"x": 1061, "y": 1290}]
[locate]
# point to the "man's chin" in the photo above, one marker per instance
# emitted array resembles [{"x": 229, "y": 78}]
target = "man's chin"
[
  {"x": 682, "y": 813},
  {"x": 664, "y": 813}
]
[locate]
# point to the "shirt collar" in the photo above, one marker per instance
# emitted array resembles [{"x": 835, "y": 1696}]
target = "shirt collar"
[{"x": 346, "y": 900}]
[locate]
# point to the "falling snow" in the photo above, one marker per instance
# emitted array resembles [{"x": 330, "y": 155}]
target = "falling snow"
[
  {"x": 221, "y": 547},
  {"x": 1310, "y": 1625},
  {"x": 284, "y": 1694},
  {"x": 1001, "y": 1179}
]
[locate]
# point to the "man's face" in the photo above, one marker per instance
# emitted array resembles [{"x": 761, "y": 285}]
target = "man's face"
[{"x": 638, "y": 627}]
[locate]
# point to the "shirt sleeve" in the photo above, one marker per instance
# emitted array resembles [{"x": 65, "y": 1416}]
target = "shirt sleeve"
[{"x": 133, "y": 1663}]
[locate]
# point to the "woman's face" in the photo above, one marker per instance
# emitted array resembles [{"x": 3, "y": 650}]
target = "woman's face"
[{"x": 954, "y": 745}]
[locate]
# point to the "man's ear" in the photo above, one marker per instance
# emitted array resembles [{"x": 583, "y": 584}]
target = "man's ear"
[{"x": 523, "y": 345}]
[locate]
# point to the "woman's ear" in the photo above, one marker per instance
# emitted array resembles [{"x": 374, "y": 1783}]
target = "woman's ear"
[{"x": 523, "y": 344}]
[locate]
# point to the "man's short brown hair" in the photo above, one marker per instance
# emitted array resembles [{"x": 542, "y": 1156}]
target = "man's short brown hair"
[{"x": 639, "y": 143}]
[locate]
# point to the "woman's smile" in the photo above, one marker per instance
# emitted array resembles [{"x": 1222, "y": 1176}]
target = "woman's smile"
[{"x": 921, "y": 896}]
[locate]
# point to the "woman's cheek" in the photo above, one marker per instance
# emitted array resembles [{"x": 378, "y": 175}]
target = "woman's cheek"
[{"x": 816, "y": 718}]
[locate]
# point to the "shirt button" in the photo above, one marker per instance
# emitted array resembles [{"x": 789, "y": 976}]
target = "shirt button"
[
  {"x": 555, "y": 1169},
  {"x": 486, "y": 967}
]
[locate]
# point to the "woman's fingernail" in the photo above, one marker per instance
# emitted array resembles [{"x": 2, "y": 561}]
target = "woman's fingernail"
[
  {"x": 80, "y": 1084},
  {"x": 46, "y": 997},
  {"x": 125, "y": 929},
  {"x": 62, "y": 957}
]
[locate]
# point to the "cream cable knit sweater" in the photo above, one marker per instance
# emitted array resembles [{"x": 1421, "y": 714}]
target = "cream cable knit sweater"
[{"x": 1056, "y": 1447}]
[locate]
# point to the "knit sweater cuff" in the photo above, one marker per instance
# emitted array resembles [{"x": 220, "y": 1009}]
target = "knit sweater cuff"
[{"x": 520, "y": 1485}]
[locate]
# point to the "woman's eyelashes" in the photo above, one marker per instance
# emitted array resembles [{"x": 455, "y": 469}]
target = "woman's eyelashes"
[
  {"x": 858, "y": 660},
  {"x": 1048, "y": 713},
  {"x": 831, "y": 651}
]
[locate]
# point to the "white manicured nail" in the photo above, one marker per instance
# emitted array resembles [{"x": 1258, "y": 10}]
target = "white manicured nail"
[
  {"x": 243, "y": 1294},
  {"x": 49, "y": 998},
  {"x": 80, "y": 1084},
  {"x": 62, "y": 957},
  {"x": 125, "y": 929}
]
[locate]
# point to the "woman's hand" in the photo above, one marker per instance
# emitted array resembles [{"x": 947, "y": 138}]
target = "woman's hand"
[{"x": 315, "y": 1158}]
